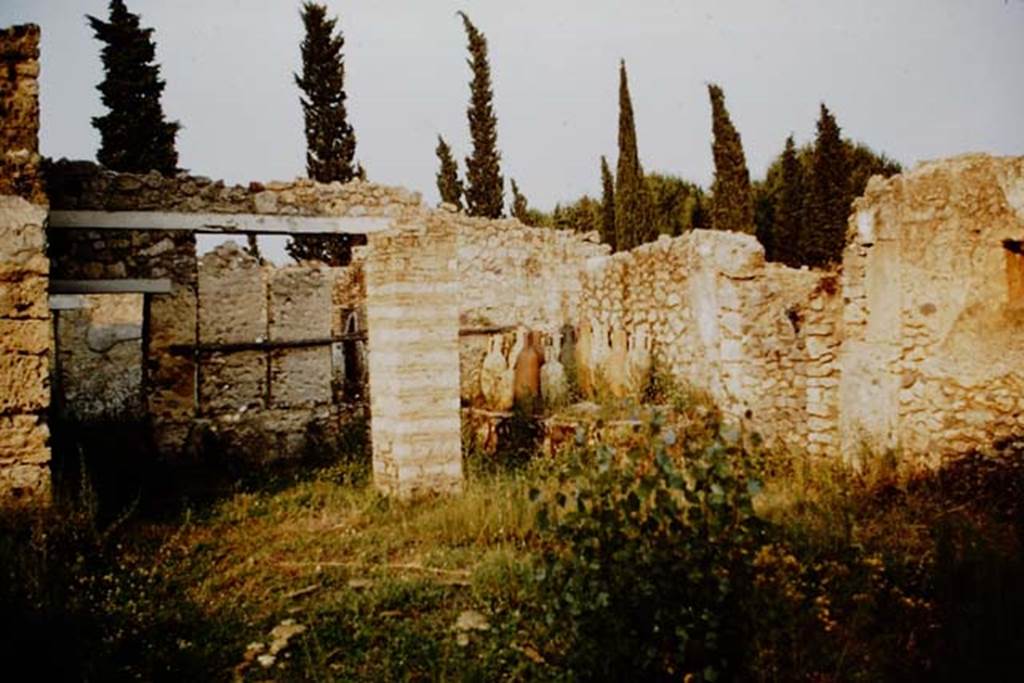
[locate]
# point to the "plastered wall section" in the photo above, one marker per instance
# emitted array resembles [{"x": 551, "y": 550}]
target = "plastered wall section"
[
  {"x": 98, "y": 368},
  {"x": 412, "y": 309},
  {"x": 934, "y": 276},
  {"x": 760, "y": 338}
]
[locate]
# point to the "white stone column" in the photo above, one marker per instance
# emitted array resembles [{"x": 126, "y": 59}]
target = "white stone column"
[{"x": 412, "y": 315}]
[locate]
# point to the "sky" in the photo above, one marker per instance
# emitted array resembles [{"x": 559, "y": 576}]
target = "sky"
[{"x": 916, "y": 79}]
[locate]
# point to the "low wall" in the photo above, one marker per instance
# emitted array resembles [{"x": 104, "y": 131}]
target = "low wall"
[{"x": 759, "y": 337}]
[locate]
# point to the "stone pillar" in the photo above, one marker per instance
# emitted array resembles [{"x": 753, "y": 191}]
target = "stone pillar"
[
  {"x": 25, "y": 330},
  {"x": 19, "y": 113},
  {"x": 412, "y": 315}
]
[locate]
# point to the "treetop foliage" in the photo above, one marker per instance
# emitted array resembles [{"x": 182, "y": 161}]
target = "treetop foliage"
[
  {"x": 484, "y": 182},
  {"x": 732, "y": 207},
  {"x": 134, "y": 135},
  {"x": 330, "y": 139}
]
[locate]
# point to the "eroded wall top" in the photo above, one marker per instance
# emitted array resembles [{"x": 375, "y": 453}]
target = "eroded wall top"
[
  {"x": 82, "y": 185},
  {"x": 19, "y": 111}
]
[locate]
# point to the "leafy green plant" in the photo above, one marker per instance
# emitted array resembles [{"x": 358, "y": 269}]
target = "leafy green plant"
[{"x": 649, "y": 557}]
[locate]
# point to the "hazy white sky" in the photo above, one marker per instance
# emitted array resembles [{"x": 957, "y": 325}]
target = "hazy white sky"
[{"x": 916, "y": 79}]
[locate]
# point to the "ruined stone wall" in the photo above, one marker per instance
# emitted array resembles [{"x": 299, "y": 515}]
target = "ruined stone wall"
[
  {"x": 26, "y": 334},
  {"x": 19, "y": 112},
  {"x": 82, "y": 185},
  {"x": 25, "y": 342},
  {"x": 758, "y": 337},
  {"x": 934, "y": 276},
  {"x": 266, "y": 404}
]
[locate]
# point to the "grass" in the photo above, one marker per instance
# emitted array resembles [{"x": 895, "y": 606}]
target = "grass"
[{"x": 874, "y": 573}]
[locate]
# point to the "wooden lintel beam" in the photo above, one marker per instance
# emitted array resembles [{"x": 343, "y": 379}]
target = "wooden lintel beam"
[
  {"x": 120, "y": 286},
  {"x": 216, "y": 223}
]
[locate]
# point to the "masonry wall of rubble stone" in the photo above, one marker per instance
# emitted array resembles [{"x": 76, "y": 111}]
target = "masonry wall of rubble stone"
[
  {"x": 19, "y": 112},
  {"x": 512, "y": 275},
  {"x": 26, "y": 335},
  {"x": 266, "y": 404},
  {"x": 933, "y": 355},
  {"x": 760, "y": 338}
]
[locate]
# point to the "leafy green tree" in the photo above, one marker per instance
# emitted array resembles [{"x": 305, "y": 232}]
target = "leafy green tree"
[
  {"x": 134, "y": 135},
  {"x": 632, "y": 205},
  {"x": 607, "y": 205},
  {"x": 583, "y": 215},
  {"x": 484, "y": 182},
  {"x": 784, "y": 222},
  {"x": 672, "y": 200},
  {"x": 829, "y": 205},
  {"x": 520, "y": 207},
  {"x": 732, "y": 206},
  {"x": 448, "y": 184},
  {"x": 330, "y": 139}
]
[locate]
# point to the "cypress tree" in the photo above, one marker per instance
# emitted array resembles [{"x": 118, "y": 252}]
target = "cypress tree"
[
  {"x": 786, "y": 235},
  {"x": 484, "y": 183},
  {"x": 134, "y": 136},
  {"x": 520, "y": 207},
  {"x": 330, "y": 139},
  {"x": 632, "y": 210},
  {"x": 732, "y": 206},
  {"x": 448, "y": 184},
  {"x": 829, "y": 205},
  {"x": 607, "y": 205}
]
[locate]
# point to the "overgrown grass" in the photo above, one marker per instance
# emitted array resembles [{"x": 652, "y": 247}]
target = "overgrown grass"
[{"x": 839, "y": 574}]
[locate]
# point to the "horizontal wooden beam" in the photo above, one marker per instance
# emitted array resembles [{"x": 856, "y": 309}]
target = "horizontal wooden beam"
[
  {"x": 264, "y": 345},
  {"x": 216, "y": 223},
  {"x": 121, "y": 286}
]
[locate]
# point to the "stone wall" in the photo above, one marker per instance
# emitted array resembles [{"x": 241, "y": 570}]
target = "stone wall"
[
  {"x": 758, "y": 337},
  {"x": 25, "y": 332},
  {"x": 82, "y": 185},
  {"x": 19, "y": 112},
  {"x": 25, "y": 342},
  {"x": 934, "y": 327}
]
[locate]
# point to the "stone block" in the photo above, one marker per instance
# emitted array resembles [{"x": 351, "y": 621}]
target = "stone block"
[
  {"x": 24, "y": 438},
  {"x": 24, "y": 383}
]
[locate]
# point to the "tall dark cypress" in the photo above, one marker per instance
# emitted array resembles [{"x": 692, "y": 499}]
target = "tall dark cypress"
[
  {"x": 134, "y": 136},
  {"x": 829, "y": 205},
  {"x": 632, "y": 211},
  {"x": 786, "y": 233},
  {"x": 448, "y": 184},
  {"x": 485, "y": 193},
  {"x": 520, "y": 207},
  {"x": 607, "y": 205},
  {"x": 330, "y": 139},
  {"x": 732, "y": 204}
]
